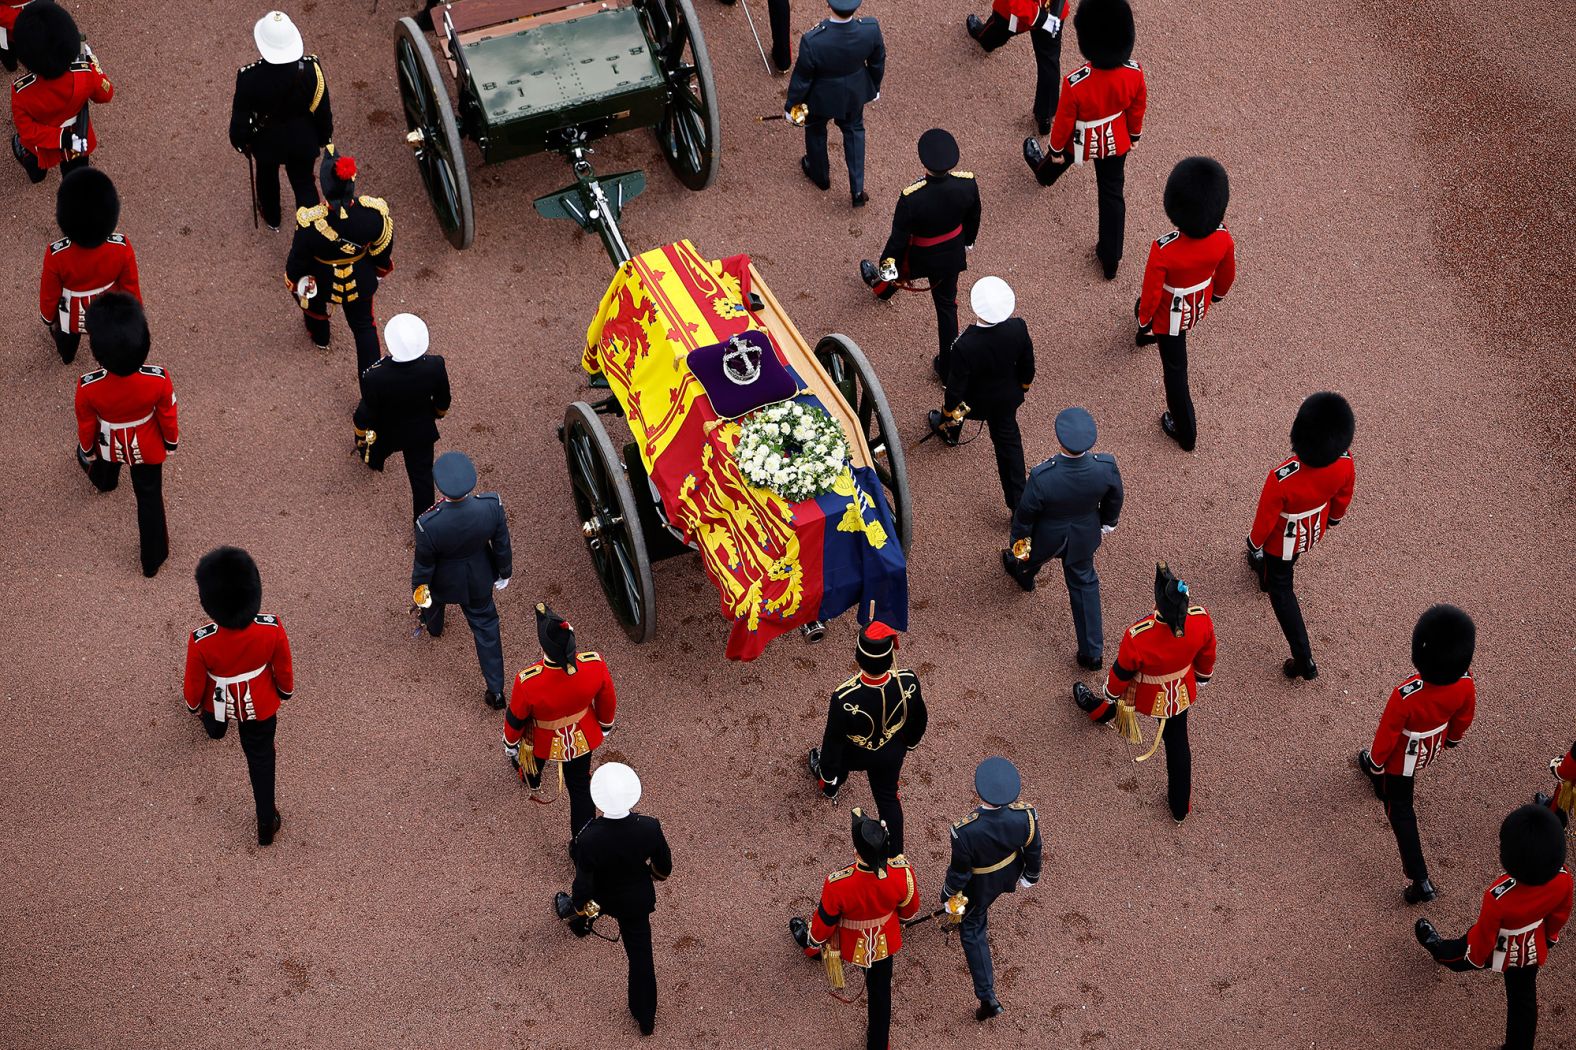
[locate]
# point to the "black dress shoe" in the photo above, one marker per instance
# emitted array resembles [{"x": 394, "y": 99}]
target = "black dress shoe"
[
  {"x": 1308, "y": 671},
  {"x": 266, "y": 837},
  {"x": 800, "y": 931},
  {"x": 937, "y": 424},
  {"x": 804, "y": 166},
  {"x": 1168, "y": 423},
  {"x": 869, "y": 273},
  {"x": 1009, "y": 565},
  {"x": 813, "y": 760},
  {"x": 647, "y": 1027},
  {"x": 1090, "y": 663},
  {"x": 494, "y": 700},
  {"x": 1425, "y": 933},
  {"x": 1419, "y": 892},
  {"x": 1085, "y": 698},
  {"x": 1365, "y": 763},
  {"x": 1033, "y": 155},
  {"x": 988, "y": 1007},
  {"x": 861, "y": 199},
  {"x": 973, "y": 25}
]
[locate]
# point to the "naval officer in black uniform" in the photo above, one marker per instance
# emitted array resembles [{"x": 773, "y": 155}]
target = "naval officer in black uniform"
[
  {"x": 281, "y": 115},
  {"x": 995, "y": 850},
  {"x": 403, "y": 396},
  {"x": 841, "y": 62},
  {"x": 462, "y": 556},
  {"x": 1071, "y": 501}
]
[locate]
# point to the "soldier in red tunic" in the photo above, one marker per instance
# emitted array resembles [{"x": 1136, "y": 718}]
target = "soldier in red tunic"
[
  {"x": 1522, "y": 915},
  {"x": 863, "y": 906},
  {"x": 1188, "y": 269},
  {"x": 88, "y": 261},
  {"x": 1563, "y": 800},
  {"x": 9, "y": 11},
  {"x": 126, "y": 414},
  {"x": 1042, "y": 20},
  {"x": 1426, "y": 713},
  {"x": 566, "y": 702},
  {"x": 1301, "y": 498},
  {"x": 238, "y": 669},
  {"x": 1163, "y": 661},
  {"x": 49, "y": 105},
  {"x": 1099, "y": 117}
]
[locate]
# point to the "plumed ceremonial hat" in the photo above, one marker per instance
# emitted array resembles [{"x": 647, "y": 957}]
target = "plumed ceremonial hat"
[
  {"x": 1197, "y": 192},
  {"x": 454, "y": 474},
  {"x": 1323, "y": 429},
  {"x": 938, "y": 150},
  {"x": 229, "y": 587},
  {"x": 877, "y": 648},
  {"x": 997, "y": 781},
  {"x": 337, "y": 176},
  {"x": 277, "y": 39},
  {"x": 406, "y": 337},
  {"x": 1075, "y": 429},
  {"x": 872, "y": 842},
  {"x": 557, "y": 638},
  {"x": 615, "y": 789},
  {"x": 843, "y": 7},
  {"x": 1105, "y": 32},
  {"x": 1171, "y": 598},
  {"x": 1442, "y": 644},
  {"x": 87, "y": 207},
  {"x": 45, "y": 39},
  {"x": 992, "y": 300},
  {"x": 1532, "y": 845},
  {"x": 118, "y": 332}
]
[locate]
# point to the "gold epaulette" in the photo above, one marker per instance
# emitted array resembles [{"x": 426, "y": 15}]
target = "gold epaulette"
[
  {"x": 1141, "y": 626},
  {"x": 590, "y": 656},
  {"x": 910, "y": 189},
  {"x": 529, "y": 672},
  {"x": 841, "y": 873},
  {"x": 1196, "y": 610},
  {"x": 899, "y": 861},
  {"x": 375, "y": 203},
  {"x": 379, "y": 205},
  {"x": 963, "y": 174},
  {"x": 317, "y": 95},
  {"x": 971, "y": 817},
  {"x": 307, "y": 216},
  {"x": 1021, "y": 805}
]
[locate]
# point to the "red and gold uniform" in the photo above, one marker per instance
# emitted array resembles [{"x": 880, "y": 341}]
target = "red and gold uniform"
[
  {"x": 1156, "y": 672},
  {"x": 866, "y": 909},
  {"x": 1297, "y": 503},
  {"x": 239, "y": 675},
  {"x": 126, "y": 419},
  {"x": 1183, "y": 277},
  {"x": 9, "y": 9},
  {"x": 1101, "y": 111},
  {"x": 1516, "y": 924},
  {"x": 1419, "y": 720},
  {"x": 567, "y": 715},
  {"x": 45, "y": 111},
  {"x": 74, "y": 276}
]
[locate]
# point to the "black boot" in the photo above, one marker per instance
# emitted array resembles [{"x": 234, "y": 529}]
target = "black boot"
[
  {"x": 1033, "y": 155},
  {"x": 813, "y": 760},
  {"x": 973, "y": 25},
  {"x": 1420, "y": 891},
  {"x": 1426, "y": 935},
  {"x": 988, "y": 1008},
  {"x": 800, "y": 931},
  {"x": 1085, "y": 698},
  {"x": 266, "y": 837},
  {"x": 1365, "y": 763},
  {"x": 494, "y": 700},
  {"x": 1292, "y": 669}
]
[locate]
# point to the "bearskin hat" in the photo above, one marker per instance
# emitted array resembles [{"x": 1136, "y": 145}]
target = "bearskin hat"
[
  {"x": 229, "y": 587},
  {"x": 45, "y": 39},
  {"x": 118, "y": 332},
  {"x": 872, "y": 842},
  {"x": 1442, "y": 644},
  {"x": 1532, "y": 845},
  {"x": 87, "y": 207},
  {"x": 1105, "y": 32},
  {"x": 1323, "y": 429},
  {"x": 337, "y": 176},
  {"x": 1171, "y": 599},
  {"x": 557, "y": 638},
  {"x": 1196, "y": 195}
]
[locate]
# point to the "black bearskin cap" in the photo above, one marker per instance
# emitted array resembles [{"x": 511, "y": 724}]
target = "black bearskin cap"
[
  {"x": 1532, "y": 845},
  {"x": 1171, "y": 599},
  {"x": 1442, "y": 644},
  {"x": 118, "y": 332},
  {"x": 45, "y": 39},
  {"x": 1323, "y": 429},
  {"x": 556, "y": 637},
  {"x": 337, "y": 176},
  {"x": 228, "y": 587},
  {"x": 1196, "y": 194},
  {"x": 1105, "y": 32},
  {"x": 871, "y": 841},
  {"x": 87, "y": 207}
]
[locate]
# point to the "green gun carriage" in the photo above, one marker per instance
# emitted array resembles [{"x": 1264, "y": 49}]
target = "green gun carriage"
[{"x": 538, "y": 76}]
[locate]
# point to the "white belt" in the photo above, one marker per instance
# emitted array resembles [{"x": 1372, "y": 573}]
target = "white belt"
[
  {"x": 225, "y": 696},
  {"x": 106, "y": 428},
  {"x": 1414, "y": 748},
  {"x": 1498, "y": 962},
  {"x": 1087, "y": 125},
  {"x": 1293, "y": 522},
  {"x": 1179, "y": 298},
  {"x": 69, "y": 297},
  {"x": 5, "y": 40}
]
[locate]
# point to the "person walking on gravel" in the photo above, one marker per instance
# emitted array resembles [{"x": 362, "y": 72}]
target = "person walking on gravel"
[
  {"x": 839, "y": 70},
  {"x": 1425, "y": 714},
  {"x": 1301, "y": 500},
  {"x": 238, "y": 670},
  {"x": 1042, "y": 20},
  {"x": 50, "y": 104},
  {"x": 403, "y": 396},
  {"x": 88, "y": 261}
]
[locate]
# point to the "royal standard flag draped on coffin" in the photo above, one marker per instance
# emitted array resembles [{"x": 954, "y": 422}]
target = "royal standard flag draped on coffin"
[{"x": 776, "y": 565}]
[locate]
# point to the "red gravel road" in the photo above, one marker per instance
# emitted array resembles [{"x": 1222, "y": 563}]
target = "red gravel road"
[{"x": 1402, "y": 206}]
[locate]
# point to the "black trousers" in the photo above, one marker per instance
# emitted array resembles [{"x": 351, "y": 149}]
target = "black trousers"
[
  {"x": 1047, "y": 64},
  {"x": 147, "y": 482},
  {"x": 482, "y": 616},
  {"x": 853, "y": 129},
  {"x": 884, "y": 767},
  {"x": 1521, "y": 993},
  {"x": 66, "y": 344},
  {"x": 944, "y": 294},
  {"x": 777, "y": 12},
  {"x": 635, "y": 933},
  {"x": 257, "y": 741},
  {"x": 1179, "y": 766},
  {"x": 301, "y": 171},
  {"x": 878, "y": 1000},
  {"x": 1007, "y": 440},
  {"x": 418, "y": 470},
  {"x": 1179, "y": 401},
  {"x": 1398, "y": 796},
  {"x": 577, "y": 783},
  {"x": 1278, "y": 580},
  {"x": 36, "y": 173},
  {"x": 1110, "y": 176},
  {"x": 358, "y": 315}
]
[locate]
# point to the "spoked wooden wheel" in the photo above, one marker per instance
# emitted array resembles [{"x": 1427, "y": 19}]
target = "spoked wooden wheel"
[
  {"x": 610, "y": 521},
  {"x": 851, "y": 373},
  {"x": 690, "y": 127},
  {"x": 432, "y": 134}
]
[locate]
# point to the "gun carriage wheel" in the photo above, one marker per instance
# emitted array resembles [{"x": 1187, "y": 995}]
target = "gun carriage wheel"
[
  {"x": 690, "y": 127},
  {"x": 433, "y": 134}
]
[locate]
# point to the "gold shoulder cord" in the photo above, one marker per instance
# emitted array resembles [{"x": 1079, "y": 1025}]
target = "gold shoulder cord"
[{"x": 317, "y": 95}]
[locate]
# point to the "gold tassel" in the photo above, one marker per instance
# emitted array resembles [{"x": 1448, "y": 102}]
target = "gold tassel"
[
  {"x": 1147, "y": 755},
  {"x": 1127, "y": 722},
  {"x": 834, "y": 964},
  {"x": 1565, "y": 802}
]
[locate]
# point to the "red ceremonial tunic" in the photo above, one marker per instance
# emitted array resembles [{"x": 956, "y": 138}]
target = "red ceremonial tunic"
[
  {"x": 1158, "y": 672},
  {"x": 74, "y": 276},
  {"x": 8, "y": 13},
  {"x": 1565, "y": 768},
  {"x": 1517, "y": 923},
  {"x": 1298, "y": 502},
  {"x": 129, "y": 419},
  {"x": 247, "y": 672},
  {"x": 1420, "y": 720},
  {"x": 1183, "y": 276},
  {"x": 1023, "y": 15},
  {"x": 43, "y": 109},
  {"x": 567, "y": 713},
  {"x": 867, "y": 911},
  {"x": 1100, "y": 111}
]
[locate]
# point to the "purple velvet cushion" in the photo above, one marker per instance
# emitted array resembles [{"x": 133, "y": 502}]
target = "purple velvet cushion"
[{"x": 742, "y": 374}]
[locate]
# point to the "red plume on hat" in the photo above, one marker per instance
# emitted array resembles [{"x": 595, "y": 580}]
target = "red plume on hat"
[{"x": 345, "y": 168}]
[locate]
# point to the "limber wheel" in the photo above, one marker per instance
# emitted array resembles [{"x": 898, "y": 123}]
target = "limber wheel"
[
  {"x": 690, "y": 128},
  {"x": 433, "y": 135},
  {"x": 851, "y": 373},
  {"x": 610, "y": 521}
]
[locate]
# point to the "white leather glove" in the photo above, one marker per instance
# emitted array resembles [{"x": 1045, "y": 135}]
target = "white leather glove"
[
  {"x": 1106, "y": 530},
  {"x": 306, "y": 287},
  {"x": 499, "y": 585},
  {"x": 1024, "y": 884},
  {"x": 1052, "y": 25},
  {"x": 513, "y": 751}
]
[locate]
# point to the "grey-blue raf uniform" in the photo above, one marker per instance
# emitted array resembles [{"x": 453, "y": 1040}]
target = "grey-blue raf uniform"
[
  {"x": 462, "y": 547},
  {"x": 839, "y": 69},
  {"x": 1068, "y": 500},
  {"x": 992, "y": 848}
]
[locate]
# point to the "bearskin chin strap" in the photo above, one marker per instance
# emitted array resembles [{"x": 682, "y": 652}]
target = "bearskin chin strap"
[
  {"x": 1127, "y": 722},
  {"x": 834, "y": 964},
  {"x": 1160, "y": 732}
]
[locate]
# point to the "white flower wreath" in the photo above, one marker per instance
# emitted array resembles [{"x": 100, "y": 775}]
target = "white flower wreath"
[{"x": 795, "y": 450}]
